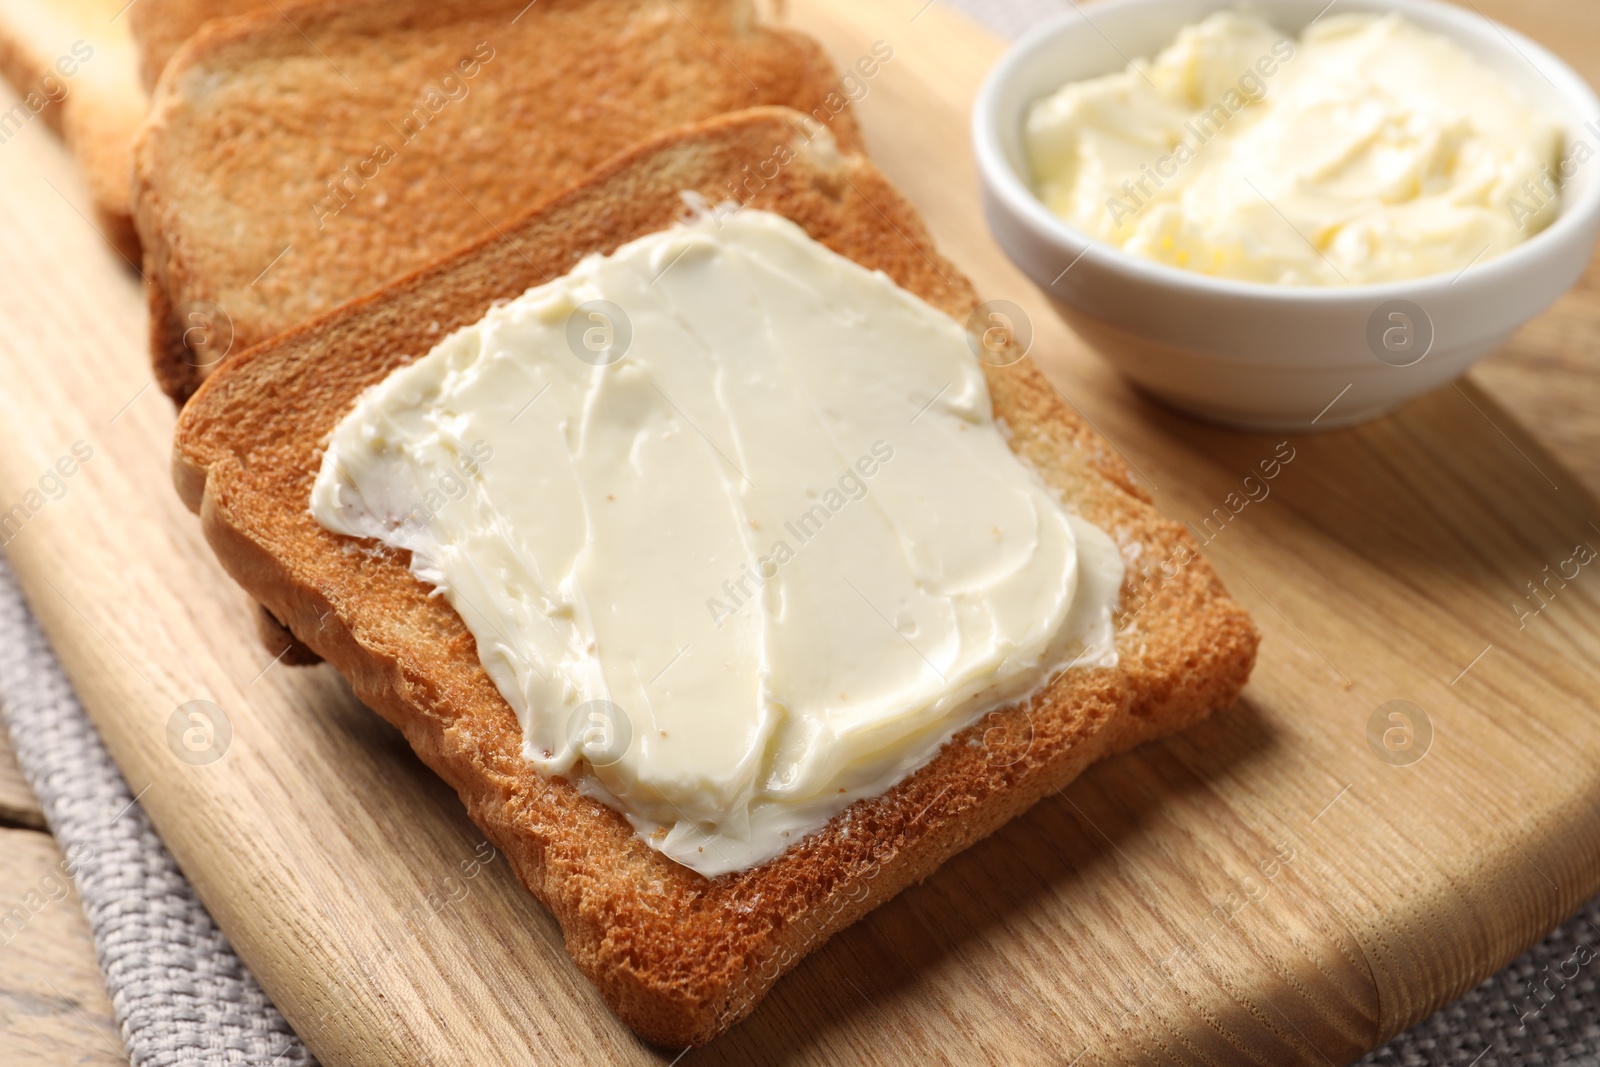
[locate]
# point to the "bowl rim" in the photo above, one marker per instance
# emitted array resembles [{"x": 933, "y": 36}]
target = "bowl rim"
[{"x": 1004, "y": 182}]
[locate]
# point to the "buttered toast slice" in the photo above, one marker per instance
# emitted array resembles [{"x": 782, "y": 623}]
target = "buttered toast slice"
[
  {"x": 296, "y": 159},
  {"x": 678, "y": 956}
]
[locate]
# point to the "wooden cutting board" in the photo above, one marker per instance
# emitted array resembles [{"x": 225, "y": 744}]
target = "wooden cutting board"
[{"x": 1287, "y": 884}]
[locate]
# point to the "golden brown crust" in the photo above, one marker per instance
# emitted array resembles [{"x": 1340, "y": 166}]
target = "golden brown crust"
[
  {"x": 296, "y": 160},
  {"x": 160, "y": 27},
  {"x": 168, "y": 353},
  {"x": 679, "y": 957}
]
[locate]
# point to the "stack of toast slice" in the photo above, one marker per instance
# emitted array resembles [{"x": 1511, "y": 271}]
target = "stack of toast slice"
[
  {"x": 680, "y": 957},
  {"x": 160, "y": 27},
  {"x": 297, "y": 159},
  {"x": 73, "y": 66}
]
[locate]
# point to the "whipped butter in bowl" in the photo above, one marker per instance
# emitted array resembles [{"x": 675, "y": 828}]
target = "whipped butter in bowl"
[
  {"x": 734, "y": 526},
  {"x": 1369, "y": 150},
  {"x": 1286, "y": 214}
]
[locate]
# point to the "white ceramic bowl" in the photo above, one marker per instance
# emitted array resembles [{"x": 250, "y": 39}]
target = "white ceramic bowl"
[{"x": 1264, "y": 356}]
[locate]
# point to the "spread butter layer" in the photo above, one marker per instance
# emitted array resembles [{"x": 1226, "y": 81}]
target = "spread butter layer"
[{"x": 734, "y": 526}]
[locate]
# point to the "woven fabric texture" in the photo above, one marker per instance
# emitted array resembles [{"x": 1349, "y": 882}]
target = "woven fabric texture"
[{"x": 179, "y": 993}]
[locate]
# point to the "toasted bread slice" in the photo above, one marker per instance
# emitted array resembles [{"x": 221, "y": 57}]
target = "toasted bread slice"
[
  {"x": 161, "y": 26},
  {"x": 294, "y": 161},
  {"x": 680, "y": 957},
  {"x": 73, "y": 64}
]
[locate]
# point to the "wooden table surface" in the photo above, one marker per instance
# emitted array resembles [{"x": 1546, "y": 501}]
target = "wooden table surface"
[{"x": 1535, "y": 399}]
